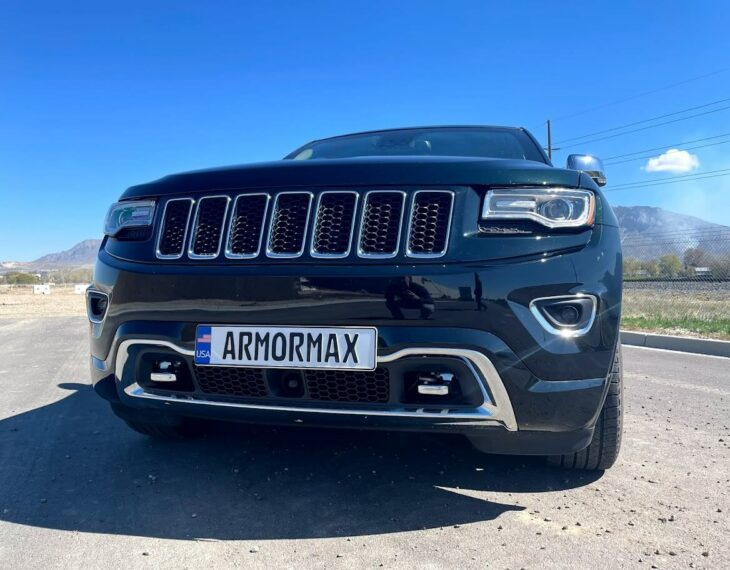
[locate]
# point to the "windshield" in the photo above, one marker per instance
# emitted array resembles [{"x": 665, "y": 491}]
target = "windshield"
[{"x": 483, "y": 142}]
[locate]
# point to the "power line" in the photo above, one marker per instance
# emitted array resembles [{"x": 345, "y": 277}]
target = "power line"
[
  {"x": 636, "y": 96},
  {"x": 643, "y": 94},
  {"x": 612, "y": 129},
  {"x": 672, "y": 177},
  {"x": 665, "y": 181},
  {"x": 648, "y": 127},
  {"x": 666, "y": 146},
  {"x": 610, "y": 163}
]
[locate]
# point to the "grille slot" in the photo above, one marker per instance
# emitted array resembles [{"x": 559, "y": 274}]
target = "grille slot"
[
  {"x": 370, "y": 387},
  {"x": 205, "y": 242},
  {"x": 380, "y": 227},
  {"x": 247, "y": 226},
  {"x": 232, "y": 381},
  {"x": 289, "y": 223},
  {"x": 334, "y": 223},
  {"x": 174, "y": 230},
  {"x": 430, "y": 222}
]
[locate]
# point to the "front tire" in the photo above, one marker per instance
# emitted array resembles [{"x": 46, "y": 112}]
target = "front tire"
[{"x": 604, "y": 448}]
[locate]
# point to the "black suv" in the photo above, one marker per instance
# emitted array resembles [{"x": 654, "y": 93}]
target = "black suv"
[{"x": 433, "y": 279}]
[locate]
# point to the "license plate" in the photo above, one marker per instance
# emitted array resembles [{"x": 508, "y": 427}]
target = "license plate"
[{"x": 287, "y": 347}]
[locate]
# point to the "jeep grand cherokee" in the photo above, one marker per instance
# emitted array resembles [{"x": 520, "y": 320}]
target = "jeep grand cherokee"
[{"x": 444, "y": 279}]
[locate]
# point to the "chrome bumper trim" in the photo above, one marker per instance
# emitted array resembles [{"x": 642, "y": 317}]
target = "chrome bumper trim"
[{"x": 496, "y": 409}]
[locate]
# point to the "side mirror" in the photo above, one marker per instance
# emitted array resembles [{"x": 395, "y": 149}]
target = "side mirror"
[{"x": 591, "y": 165}]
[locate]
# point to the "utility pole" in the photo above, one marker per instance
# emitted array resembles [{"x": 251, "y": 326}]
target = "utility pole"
[{"x": 549, "y": 141}]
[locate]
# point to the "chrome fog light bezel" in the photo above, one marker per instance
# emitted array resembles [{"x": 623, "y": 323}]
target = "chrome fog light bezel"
[
  {"x": 564, "y": 331},
  {"x": 95, "y": 293}
]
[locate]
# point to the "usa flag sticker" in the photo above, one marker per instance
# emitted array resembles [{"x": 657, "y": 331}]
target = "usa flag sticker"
[{"x": 202, "y": 344}]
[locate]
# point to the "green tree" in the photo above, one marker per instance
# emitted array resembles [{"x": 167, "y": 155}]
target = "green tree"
[
  {"x": 631, "y": 266},
  {"x": 18, "y": 278},
  {"x": 651, "y": 267},
  {"x": 669, "y": 265},
  {"x": 695, "y": 257},
  {"x": 720, "y": 267}
]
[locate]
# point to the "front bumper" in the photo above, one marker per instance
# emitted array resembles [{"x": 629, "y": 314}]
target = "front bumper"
[{"x": 538, "y": 386}]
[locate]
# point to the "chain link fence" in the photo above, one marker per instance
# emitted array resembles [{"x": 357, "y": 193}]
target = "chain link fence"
[{"x": 678, "y": 282}]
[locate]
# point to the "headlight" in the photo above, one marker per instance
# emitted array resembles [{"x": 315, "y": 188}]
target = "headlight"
[
  {"x": 123, "y": 215},
  {"x": 551, "y": 207}
]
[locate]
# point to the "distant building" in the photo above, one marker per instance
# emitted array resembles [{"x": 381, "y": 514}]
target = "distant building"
[
  {"x": 703, "y": 272},
  {"x": 641, "y": 273}
]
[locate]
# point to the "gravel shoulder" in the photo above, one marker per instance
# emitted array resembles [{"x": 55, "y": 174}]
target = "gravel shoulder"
[{"x": 79, "y": 490}]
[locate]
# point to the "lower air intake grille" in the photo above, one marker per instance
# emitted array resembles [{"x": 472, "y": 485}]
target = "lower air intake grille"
[
  {"x": 232, "y": 381},
  {"x": 429, "y": 225},
  {"x": 171, "y": 242},
  {"x": 208, "y": 227},
  {"x": 381, "y": 222},
  {"x": 247, "y": 224},
  {"x": 289, "y": 224},
  {"x": 333, "y": 228},
  {"x": 348, "y": 386}
]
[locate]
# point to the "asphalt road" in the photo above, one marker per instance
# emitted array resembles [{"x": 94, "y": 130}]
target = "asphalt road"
[{"x": 80, "y": 490}]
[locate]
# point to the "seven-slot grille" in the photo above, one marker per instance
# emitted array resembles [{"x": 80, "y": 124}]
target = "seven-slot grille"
[{"x": 339, "y": 223}]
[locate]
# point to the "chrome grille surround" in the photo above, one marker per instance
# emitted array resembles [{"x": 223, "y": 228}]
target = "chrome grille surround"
[
  {"x": 280, "y": 217},
  {"x": 163, "y": 228},
  {"x": 215, "y": 227},
  {"x": 233, "y": 226},
  {"x": 384, "y": 222},
  {"x": 432, "y": 224},
  {"x": 333, "y": 226}
]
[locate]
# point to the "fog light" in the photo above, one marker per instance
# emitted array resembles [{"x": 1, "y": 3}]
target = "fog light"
[
  {"x": 569, "y": 315},
  {"x": 164, "y": 371},
  {"x": 565, "y": 315},
  {"x": 435, "y": 384}
]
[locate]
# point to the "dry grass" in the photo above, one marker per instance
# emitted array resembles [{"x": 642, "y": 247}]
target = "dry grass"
[
  {"x": 20, "y": 302},
  {"x": 697, "y": 313}
]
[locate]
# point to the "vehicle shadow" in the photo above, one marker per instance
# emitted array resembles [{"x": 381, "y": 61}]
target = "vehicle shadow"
[{"x": 71, "y": 465}]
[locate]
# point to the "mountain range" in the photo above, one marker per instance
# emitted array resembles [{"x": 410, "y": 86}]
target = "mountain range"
[{"x": 647, "y": 233}]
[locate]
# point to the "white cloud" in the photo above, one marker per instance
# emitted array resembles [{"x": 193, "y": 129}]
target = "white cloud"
[{"x": 674, "y": 160}]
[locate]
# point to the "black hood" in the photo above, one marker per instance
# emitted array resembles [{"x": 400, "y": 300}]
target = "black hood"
[{"x": 365, "y": 171}]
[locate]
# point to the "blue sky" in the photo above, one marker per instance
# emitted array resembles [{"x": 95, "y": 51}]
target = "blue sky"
[{"x": 97, "y": 96}]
